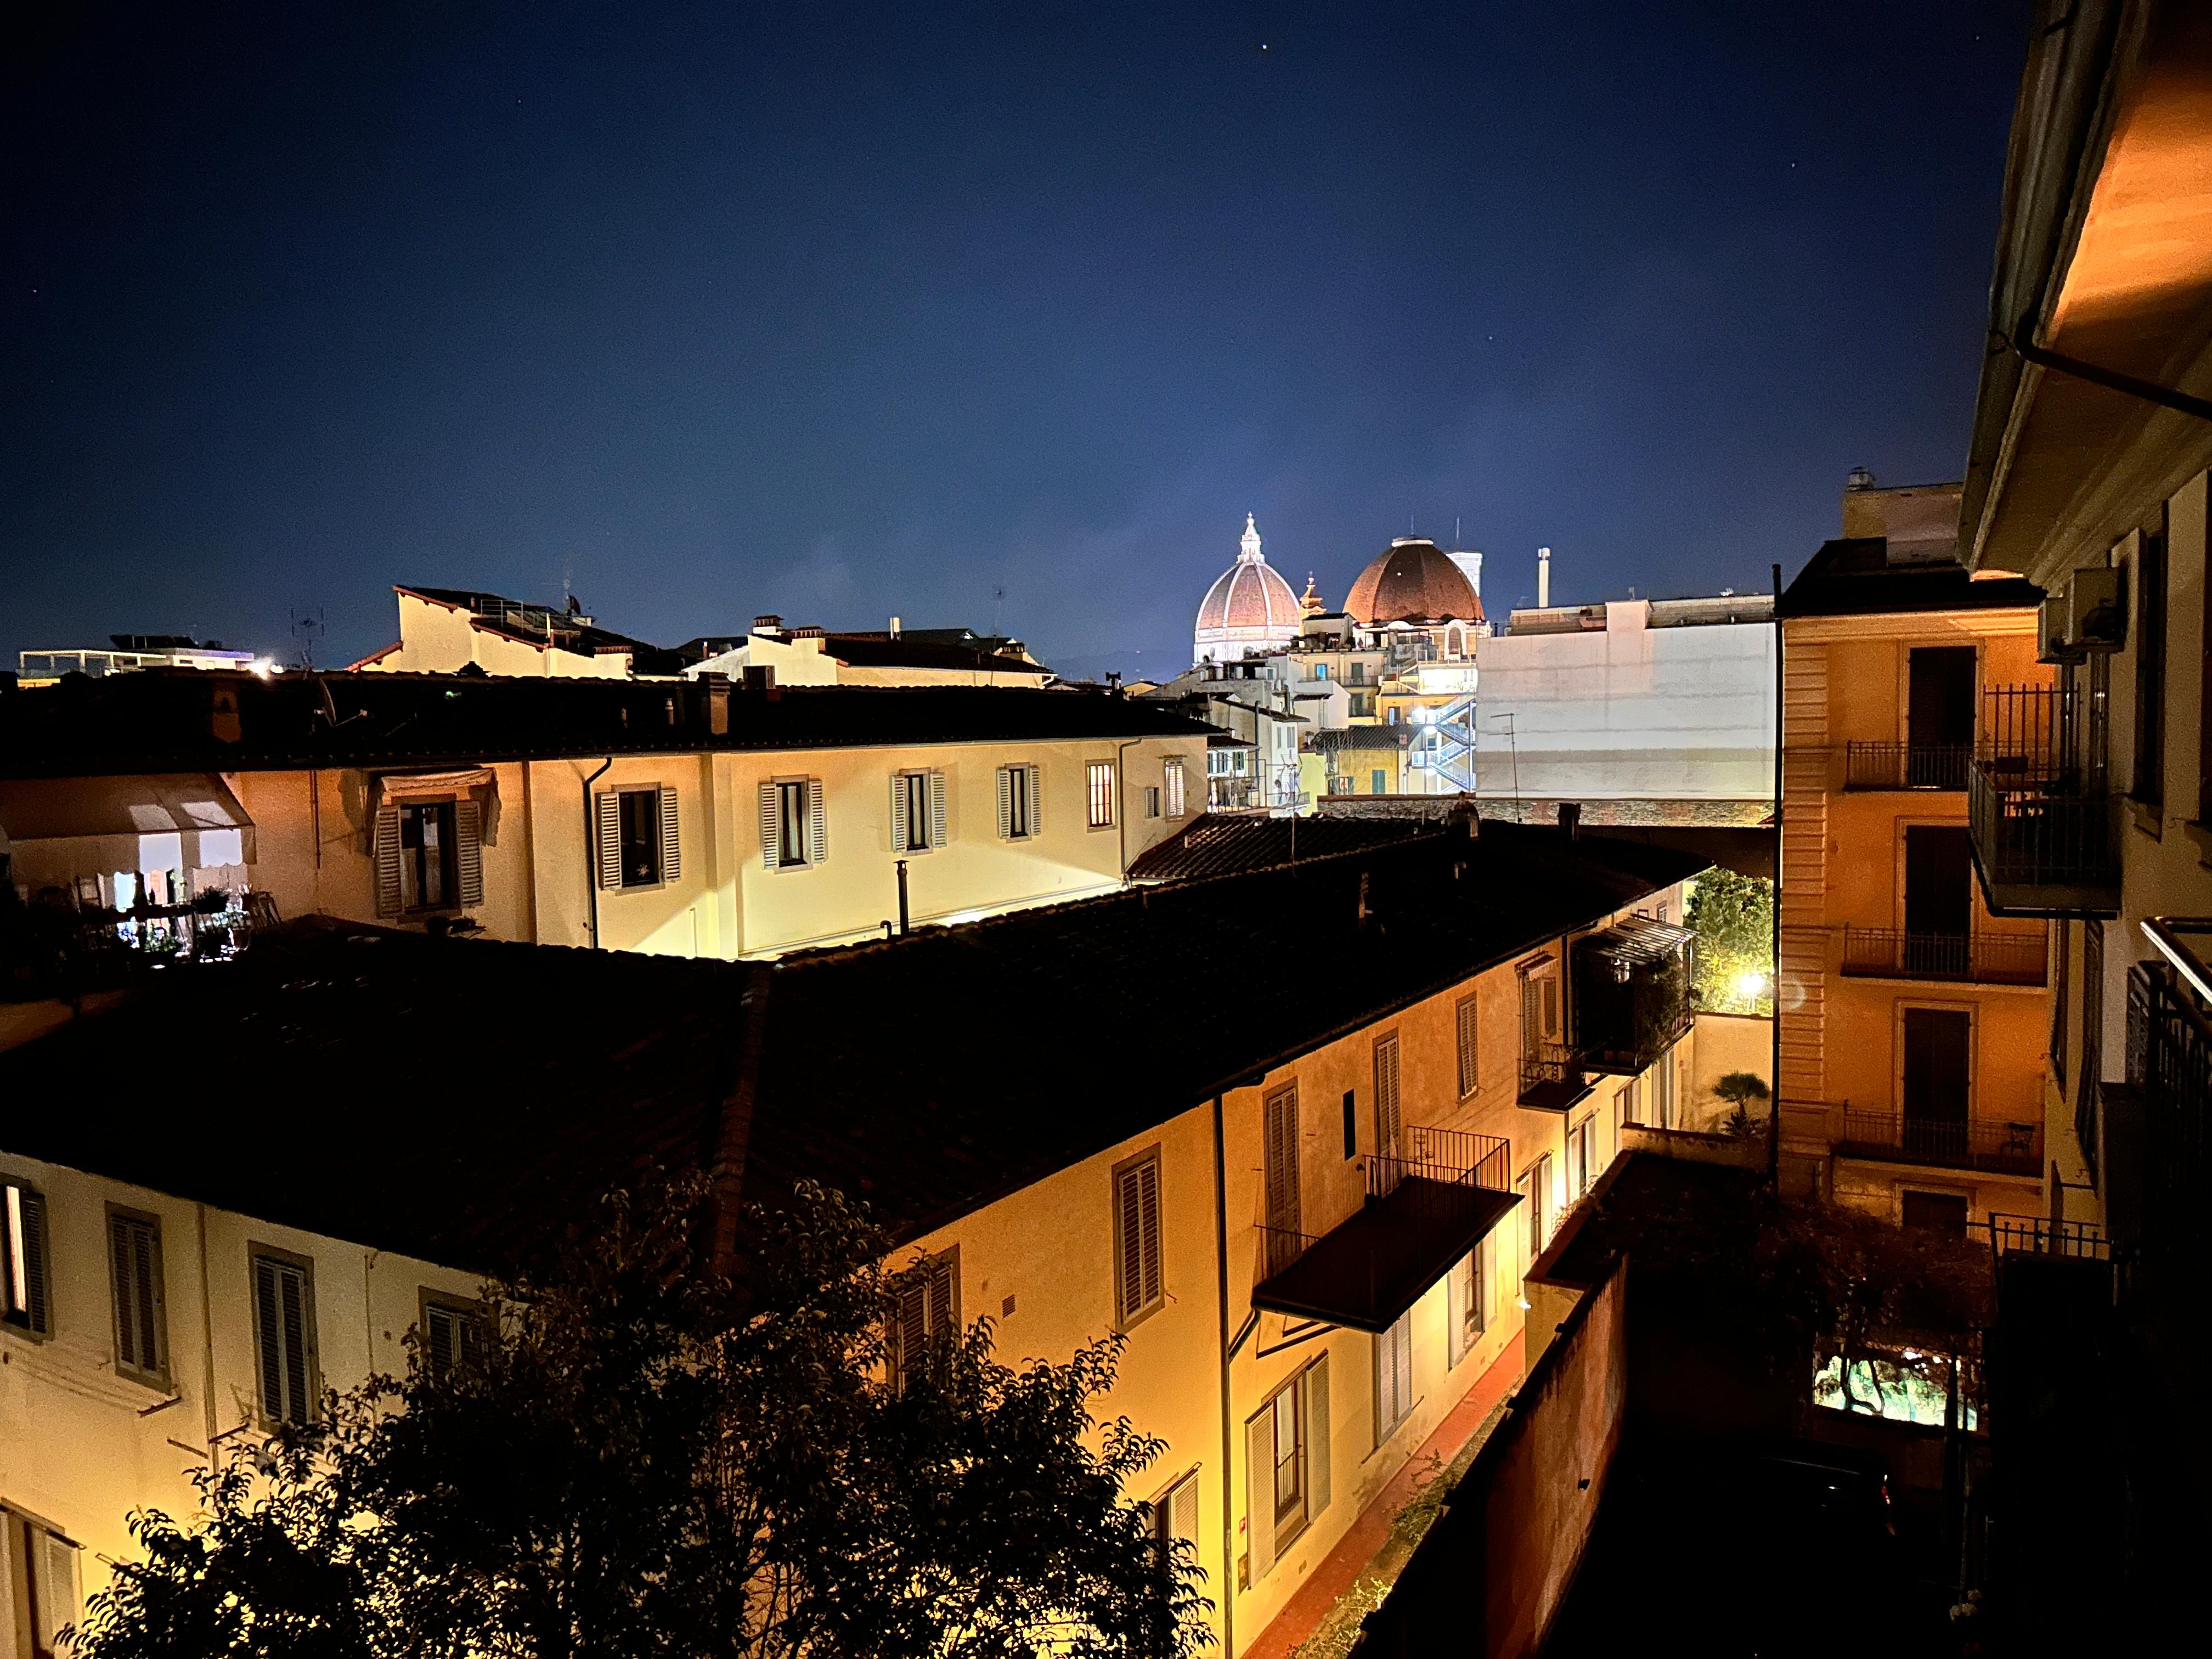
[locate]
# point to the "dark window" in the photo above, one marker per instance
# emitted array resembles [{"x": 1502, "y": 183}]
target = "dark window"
[
  {"x": 1937, "y": 1212},
  {"x": 1939, "y": 898},
  {"x": 284, "y": 1339},
  {"x": 791, "y": 823},
  {"x": 141, "y": 1337},
  {"x": 928, "y": 1311},
  {"x": 1939, "y": 716},
  {"x": 640, "y": 836},
  {"x": 2149, "y": 786},
  {"x": 429, "y": 874},
  {"x": 1938, "y": 1079},
  {"x": 1350, "y": 1123},
  {"x": 452, "y": 1337},
  {"x": 23, "y": 1258}
]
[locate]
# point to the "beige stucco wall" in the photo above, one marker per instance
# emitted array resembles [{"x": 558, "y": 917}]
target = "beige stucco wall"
[{"x": 437, "y": 638}]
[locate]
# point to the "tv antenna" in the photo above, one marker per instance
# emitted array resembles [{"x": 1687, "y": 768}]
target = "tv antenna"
[
  {"x": 997, "y": 609},
  {"x": 306, "y": 629}
]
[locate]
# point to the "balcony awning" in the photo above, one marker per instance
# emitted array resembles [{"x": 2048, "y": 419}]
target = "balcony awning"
[
  {"x": 55, "y": 829},
  {"x": 1636, "y": 940},
  {"x": 1364, "y": 1274}
]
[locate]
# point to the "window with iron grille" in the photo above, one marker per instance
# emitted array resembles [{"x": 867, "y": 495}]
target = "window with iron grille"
[
  {"x": 1140, "y": 1279},
  {"x": 134, "y": 1261},
  {"x": 23, "y": 1281},
  {"x": 1098, "y": 777},
  {"x": 284, "y": 1337}
]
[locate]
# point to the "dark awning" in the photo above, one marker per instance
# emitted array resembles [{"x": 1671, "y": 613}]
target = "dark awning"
[
  {"x": 1364, "y": 1274},
  {"x": 57, "y": 829}
]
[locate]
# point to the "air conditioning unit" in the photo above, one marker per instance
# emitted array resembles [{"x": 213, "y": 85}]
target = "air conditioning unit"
[
  {"x": 2096, "y": 620},
  {"x": 2052, "y": 644}
]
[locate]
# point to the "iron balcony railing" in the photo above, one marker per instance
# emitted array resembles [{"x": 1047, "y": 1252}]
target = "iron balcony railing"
[
  {"x": 1905, "y": 765},
  {"x": 2007, "y": 1148},
  {"x": 1552, "y": 1076},
  {"x": 2040, "y": 1235},
  {"x": 1451, "y": 1157},
  {"x": 2170, "y": 1066},
  {"x": 2039, "y": 807},
  {"x": 1975, "y": 958}
]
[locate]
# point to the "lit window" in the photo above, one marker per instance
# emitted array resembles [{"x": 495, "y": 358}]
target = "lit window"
[
  {"x": 1099, "y": 793},
  {"x": 23, "y": 1258},
  {"x": 1172, "y": 778}
]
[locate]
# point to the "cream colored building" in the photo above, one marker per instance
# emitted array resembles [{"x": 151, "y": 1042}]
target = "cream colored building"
[
  {"x": 447, "y": 630},
  {"x": 815, "y": 656},
  {"x": 1310, "y": 1223}
]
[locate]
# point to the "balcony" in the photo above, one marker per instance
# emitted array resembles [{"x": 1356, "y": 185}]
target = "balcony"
[
  {"x": 1633, "y": 997},
  {"x": 2040, "y": 812},
  {"x": 1959, "y": 1144},
  {"x": 1871, "y": 766},
  {"x": 1424, "y": 1211},
  {"x": 2170, "y": 1067},
  {"x": 1552, "y": 1078},
  {"x": 1964, "y": 958}
]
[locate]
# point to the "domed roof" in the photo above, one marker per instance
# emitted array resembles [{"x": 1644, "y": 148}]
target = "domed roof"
[
  {"x": 1249, "y": 603},
  {"x": 1413, "y": 581}
]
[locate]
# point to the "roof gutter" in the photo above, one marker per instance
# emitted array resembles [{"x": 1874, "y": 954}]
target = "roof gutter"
[{"x": 2022, "y": 340}]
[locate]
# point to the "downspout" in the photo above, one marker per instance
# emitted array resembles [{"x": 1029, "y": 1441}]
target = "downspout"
[
  {"x": 1228, "y": 1455},
  {"x": 207, "y": 1341},
  {"x": 2023, "y": 341},
  {"x": 1774, "y": 983},
  {"x": 591, "y": 851},
  {"x": 1121, "y": 813}
]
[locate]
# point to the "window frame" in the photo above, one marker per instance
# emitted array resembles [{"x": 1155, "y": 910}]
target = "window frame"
[
  {"x": 158, "y": 1375},
  {"x": 411, "y": 861},
  {"x": 472, "y": 1312},
  {"x": 1100, "y": 786},
  {"x": 793, "y": 833},
  {"x": 1467, "y": 1042},
  {"x": 276, "y": 1256},
  {"x": 29, "y": 1312},
  {"x": 1299, "y": 1511},
  {"x": 1536, "y": 1184},
  {"x": 1175, "y": 795},
  {"x": 1023, "y": 782},
  {"x": 644, "y": 800},
  {"x": 1126, "y": 1318},
  {"x": 929, "y": 1266},
  {"x": 1399, "y": 1334}
]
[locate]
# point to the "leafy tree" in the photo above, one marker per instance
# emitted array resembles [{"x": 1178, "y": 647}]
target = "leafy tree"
[
  {"x": 1733, "y": 917},
  {"x": 1738, "y": 1090},
  {"x": 637, "y": 1458}
]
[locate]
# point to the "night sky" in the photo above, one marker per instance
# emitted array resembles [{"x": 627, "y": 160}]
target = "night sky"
[{"x": 844, "y": 313}]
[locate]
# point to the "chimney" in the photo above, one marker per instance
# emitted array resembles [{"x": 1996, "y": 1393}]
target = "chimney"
[
  {"x": 894, "y": 627},
  {"x": 718, "y": 703},
  {"x": 768, "y": 626},
  {"x": 1543, "y": 578},
  {"x": 1570, "y": 818}
]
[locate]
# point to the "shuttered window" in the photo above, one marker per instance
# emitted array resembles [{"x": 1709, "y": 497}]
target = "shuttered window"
[
  {"x": 1284, "y": 1239},
  {"x": 929, "y": 1296},
  {"x": 23, "y": 1278},
  {"x": 1288, "y": 1466},
  {"x": 385, "y": 851},
  {"x": 453, "y": 1336},
  {"x": 917, "y": 811},
  {"x": 39, "y": 1575},
  {"x": 1389, "y": 1120},
  {"x": 1536, "y": 1203},
  {"x": 1393, "y": 1376},
  {"x": 1021, "y": 803},
  {"x": 1173, "y": 784},
  {"x": 284, "y": 1339},
  {"x": 1467, "y": 1017},
  {"x": 1138, "y": 1278},
  {"x": 134, "y": 1257},
  {"x": 1098, "y": 793},
  {"x": 1472, "y": 1304},
  {"x": 640, "y": 837},
  {"x": 794, "y": 827},
  {"x": 1174, "y": 1517}
]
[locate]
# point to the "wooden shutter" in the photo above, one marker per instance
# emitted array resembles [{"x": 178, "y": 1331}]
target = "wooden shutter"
[
  {"x": 609, "y": 818},
  {"x": 135, "y": 1256},
  {"x": 468, "y": 850},
  {"x": 1459, "y": 1285},
  {"x": 1388, "y": 1118},
  {"x": 1317, "y": 1437},
  {"x": 283, "y": 1312},
  {"x": 818, "y": 825},
  {"x": 1005, "y": 803},
  {"x": 385, "y": 844},
  {"x": 1282, "y": 1159},
  {"x": 1485, "y": 1262},
  {"x": 1036, "y": 799},
  {"x": 1469, "y": 1026},
  {"x": 943, "y": 1294},
  {"x": 1404, "y": 1358},
  {"x": 440, "y": 1340},
  {"x": 1260, "y": 1521},
  {"x": 898, "y": 812},
  {"x": 1137, "y": 1227},
  {"x": 32, "y": 1208},
  {"x": 769, "y": 823},
  {"x": 671, "y": 849},
  {"x": 913, "y": 1325},
  {"x": 268, "y": 1340},
  {"x": 937, "y": 809},
  {"x": 1182, "y": 1510}
]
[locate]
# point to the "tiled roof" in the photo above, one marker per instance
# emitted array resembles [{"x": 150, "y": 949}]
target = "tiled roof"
[
  {"x": 1855, "y": 578},
  {"x": 167, "y": 721},
  {"x": 1216, "y": 844},
  {"x": 1413, "y": 580},
  {"x": 466, "y": 1101}
]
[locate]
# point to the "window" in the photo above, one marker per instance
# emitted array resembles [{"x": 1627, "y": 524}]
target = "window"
[
  {"x": 1582, "y": 1148},
  {"x": 1661, "y": 912},
  {"x": 1378, "y": 782},
  {"x": 928, "y": 1311},
  {"x": 1393, "y": 1376},
  {"x": 917, "y": 811},
  {"x": 23, "y": 1287},
  {"x": 1098, "y": 793},
  {"x": 453, "y": 1335},
  {"x": 1470, "y": 1304},
  {"x": 1536, "y": 1203},
  {"x": 1287, "y": 1446},
  {"x": 2093, "y": 1043},
  {"x": 794, "y": 828},
  {"x": 1662, "y": 1082},
  {"x": 284, "y": 1337},
  {"x": 1350, "y": 1123},
  {"x": 1152, "y": 800},
  {"x": 1171, "y": 775},
  {"x": 1550, "y": 986},
  {"x": 1138, "y": 1283},
  {"x": 45, "y": 1563},
  {"x": 1467, "y": 1017},
  {"x": 134, "y": 1265},
  {"x": 1020, "y": 802},
  {"x": 429, "y": 856},
  {"x": 2062, "y": 942},
  {"x": 1389, "y": 1118},
  {"x": 1935, "y": 1213},
  {"x": 1174, "y": 1516},
  {"x": 1632, "y": 1099},
  {"x": 1360, "y": 673},
  {"x": 1281, "y": 1153},
  {"x": 637, "y": 837},
  {"x": 2149, "y": 787}
]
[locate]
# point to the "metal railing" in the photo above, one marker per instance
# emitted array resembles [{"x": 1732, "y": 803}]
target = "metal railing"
[
  {"x": 1977, "y": 958},
  {"x": 2031, "y": 831},
  {"x": 2040, "y": 1235},
  {"x": 1279, "y": 1247},
  {"x": 1550, "y": 1068},
  {"x": 1905, "y": 765},
  {"x": 2011, "y": 1148},
  {"x": 2169, "y": 1065},
  {"x": 1453, "y": 1157}
]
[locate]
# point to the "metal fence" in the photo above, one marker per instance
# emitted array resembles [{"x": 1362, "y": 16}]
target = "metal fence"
[
  {"x": 2040, "y": 1235},
  {"x": 1978, "y": 958},
  {"x": 1957, "y": 1144},
  {"x": 2170, "y": 1064},
  {"x": 1905, "y": 765}
]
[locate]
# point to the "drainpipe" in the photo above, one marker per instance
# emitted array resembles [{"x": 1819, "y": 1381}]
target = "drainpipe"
[
  {"x": 901, "y": 884},
  {"x": 1774, "y": 981},
  {"x": 1227, "y": 1423},
  {"x": 1121, "y": 807},
  {"x": 591, "y": 851}
]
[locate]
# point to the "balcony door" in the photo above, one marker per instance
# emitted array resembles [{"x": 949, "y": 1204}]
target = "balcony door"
[
  {"x": 1939, "y": 898},
  {"x": 1939, "y": 729},
  {"x": 1937, "y": 1082}
]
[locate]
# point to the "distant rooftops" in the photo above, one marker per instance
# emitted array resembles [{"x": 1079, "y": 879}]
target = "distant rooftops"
[{"x": 1718, "y": 610}]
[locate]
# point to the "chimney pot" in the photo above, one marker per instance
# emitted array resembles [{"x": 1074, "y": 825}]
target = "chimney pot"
[
  {"x": 769, "y": 625},
  {"x": 894, "y": 627}
]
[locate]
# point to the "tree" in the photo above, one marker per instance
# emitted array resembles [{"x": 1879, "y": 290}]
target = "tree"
[
  {"x": 1733, "y": 917},
  {"x": 636, "y": 1458},
  {"x": 1738, "y": 1090}
]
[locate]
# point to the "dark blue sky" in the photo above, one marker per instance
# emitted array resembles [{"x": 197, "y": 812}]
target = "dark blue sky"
[{"x": 840, "y": 312}]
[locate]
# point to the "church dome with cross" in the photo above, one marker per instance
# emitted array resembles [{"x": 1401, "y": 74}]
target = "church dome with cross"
[{"x": 1248, "y": 608}]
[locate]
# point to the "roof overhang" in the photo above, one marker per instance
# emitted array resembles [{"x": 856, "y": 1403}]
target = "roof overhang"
[
  {"x": 57, "y": 830},
  {"x": 2105, "y": 258}
]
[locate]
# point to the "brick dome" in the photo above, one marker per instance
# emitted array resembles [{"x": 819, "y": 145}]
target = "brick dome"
[
  {"x": 1413, "y": 580},
  {"x": 1248, "y": 608}
]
